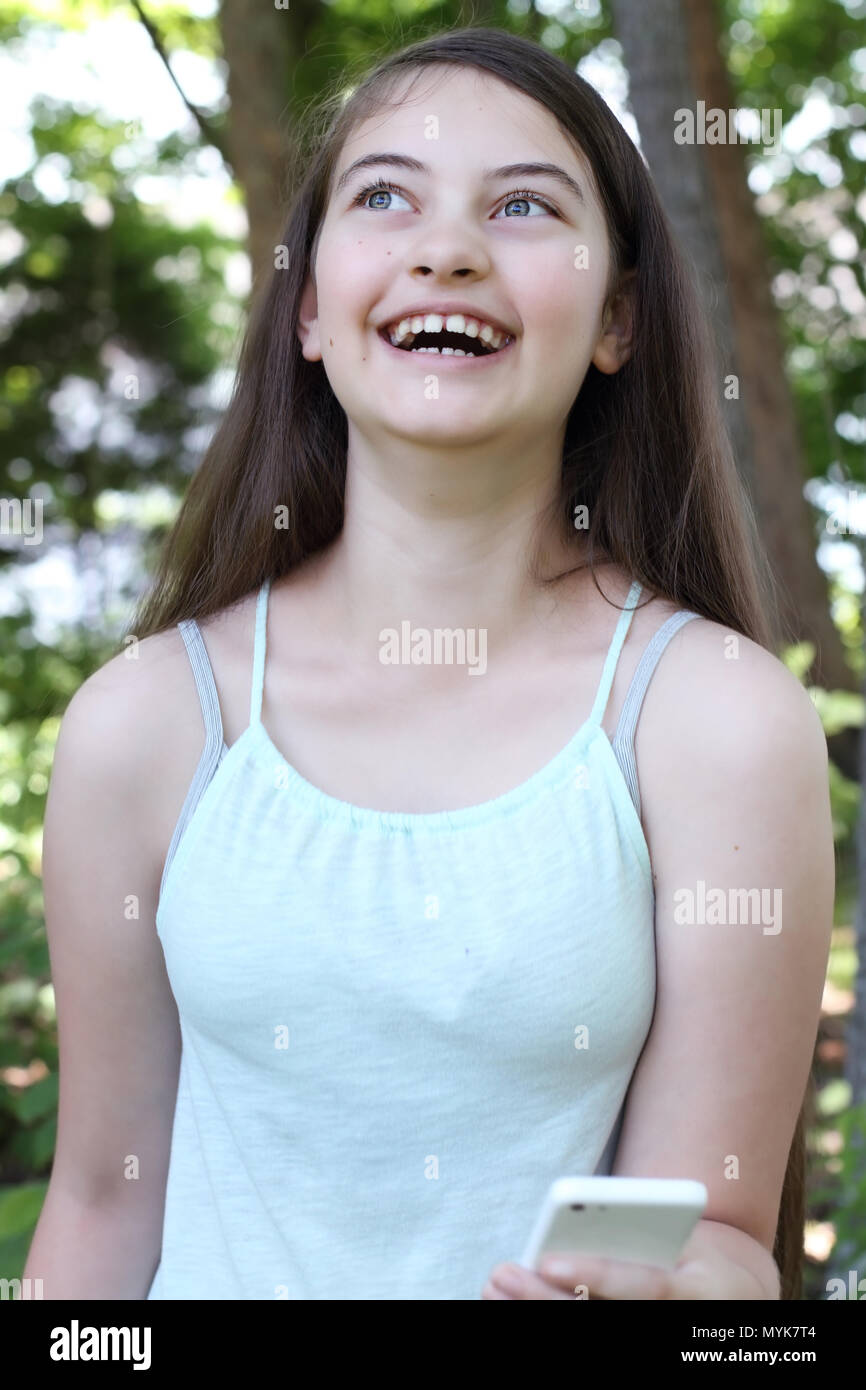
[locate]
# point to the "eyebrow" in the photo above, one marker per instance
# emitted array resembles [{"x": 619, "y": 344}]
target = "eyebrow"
[{"x": 505, "y": 171}]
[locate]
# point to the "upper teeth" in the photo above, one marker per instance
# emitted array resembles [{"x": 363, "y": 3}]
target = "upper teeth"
[{"x": 406, "y": 329}]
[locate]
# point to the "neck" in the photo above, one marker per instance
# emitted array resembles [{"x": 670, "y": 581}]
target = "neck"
[{"x": 434, "y": 542}]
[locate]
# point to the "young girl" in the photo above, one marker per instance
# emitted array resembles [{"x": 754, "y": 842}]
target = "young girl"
[{"x": 425, "y": 919}]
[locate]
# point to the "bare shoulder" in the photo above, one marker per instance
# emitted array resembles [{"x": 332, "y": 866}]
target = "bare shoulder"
[
  {"x": 143, "y": 707},
  {"x": 725, "y": 720},
  {"x": 128, "y": 707},
  {"x": 138, "y": 698},
  {"x": 714, "y": 680},
  {"x": 136, "y": 727}
]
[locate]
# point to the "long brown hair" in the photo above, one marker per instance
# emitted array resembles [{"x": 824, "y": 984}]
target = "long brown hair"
[{"x": 646, "y": 448}]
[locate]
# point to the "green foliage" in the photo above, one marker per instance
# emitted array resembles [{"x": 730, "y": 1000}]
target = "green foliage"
[
  {"x": 19, "y": 1211},
  {"x": 845, "y": 1189},
  {"x": 780, "y": 55},
  {"x": 131, "y": 309},
  {"x": 179, "y": 28},
  {"x": 108, "y": 305},
  {"x": 844, "y": 803},
  {"x": 838, "y": 709}
]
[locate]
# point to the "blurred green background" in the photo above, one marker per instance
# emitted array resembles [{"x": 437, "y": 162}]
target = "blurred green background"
[{"x": 129, "y": 218}]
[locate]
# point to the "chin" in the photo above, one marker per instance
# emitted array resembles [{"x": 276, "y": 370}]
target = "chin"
[{"x": 451, "y": 433}]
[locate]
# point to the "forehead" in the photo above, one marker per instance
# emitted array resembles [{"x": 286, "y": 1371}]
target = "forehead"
[{"x": 464, "y": 115}]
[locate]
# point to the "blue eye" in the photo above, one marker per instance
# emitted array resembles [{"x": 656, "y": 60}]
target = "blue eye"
[
  {"x": 525, "y": 195},
  {"x": 381, "y": 186},
  {"x": 385, "y": 189}
]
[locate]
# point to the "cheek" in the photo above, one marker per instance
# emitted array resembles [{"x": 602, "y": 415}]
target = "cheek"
[
  {"x": 346, "y": 280},
  {"x": 564, "y": 300},
  {"x": 565, "y": 333}
]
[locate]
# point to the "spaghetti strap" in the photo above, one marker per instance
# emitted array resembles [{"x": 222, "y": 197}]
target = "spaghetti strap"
[
  {"x": 614, "y": 650},
  {"x": 214, "y": 746},
  {"x": 258, "y": 681},
  {"x": 207, "y": 691},
  {"x": 623, "y": 739}
]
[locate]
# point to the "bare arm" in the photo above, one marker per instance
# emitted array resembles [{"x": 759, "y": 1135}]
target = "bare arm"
[
  {"x": 736, "y": 795},
  {"x": 99, "y": 1233}
]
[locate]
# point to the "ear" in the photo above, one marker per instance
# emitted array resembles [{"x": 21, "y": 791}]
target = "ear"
[
  {"x": 308, "y": 322},
  {"x": 614, "y": 346}
]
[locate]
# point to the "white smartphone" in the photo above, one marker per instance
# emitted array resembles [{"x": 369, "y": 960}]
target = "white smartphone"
[{"x": 647, "y": 1220}]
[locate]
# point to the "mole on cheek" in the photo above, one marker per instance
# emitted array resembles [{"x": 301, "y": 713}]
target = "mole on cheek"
[{"x": 331, "y": 342}]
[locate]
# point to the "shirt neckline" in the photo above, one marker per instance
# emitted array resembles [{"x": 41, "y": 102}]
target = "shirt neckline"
[{"x": 553, "y": 773}]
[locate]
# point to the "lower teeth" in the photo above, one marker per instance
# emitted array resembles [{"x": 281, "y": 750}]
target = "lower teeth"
[
  {"x": 448, "y": 351},
  {"x": 445, "y": 352}
]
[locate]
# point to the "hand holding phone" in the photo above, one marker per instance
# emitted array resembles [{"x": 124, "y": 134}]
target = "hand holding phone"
[{"x": 646, "y": 1220}]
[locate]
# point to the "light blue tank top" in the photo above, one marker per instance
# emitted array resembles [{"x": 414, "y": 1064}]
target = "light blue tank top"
[{"x": 398, "y": 1029}]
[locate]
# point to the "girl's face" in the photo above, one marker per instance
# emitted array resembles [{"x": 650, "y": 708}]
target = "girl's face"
[{"x": 460, "y": 230}]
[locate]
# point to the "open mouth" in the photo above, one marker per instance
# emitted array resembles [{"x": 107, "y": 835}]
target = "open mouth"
[
  {"x": 445, "y": 337},
  {"x": 445, "y": 345}
]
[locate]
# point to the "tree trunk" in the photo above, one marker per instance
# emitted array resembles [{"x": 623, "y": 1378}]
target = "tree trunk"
[
  {"x": 261, "y": 46},
  {"x": 671, "y": 51}
]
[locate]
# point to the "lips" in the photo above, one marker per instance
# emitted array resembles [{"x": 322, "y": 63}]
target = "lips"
[{"x": 456, "y": 334}]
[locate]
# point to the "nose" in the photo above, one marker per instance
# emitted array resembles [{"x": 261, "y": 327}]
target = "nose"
[
  {"x": 449, "y": 249},
  {"x": 462, "y": 271}
]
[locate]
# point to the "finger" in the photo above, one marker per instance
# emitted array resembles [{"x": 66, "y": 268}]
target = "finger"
[
  {"x": 492, "y": 1292},
  {"x": 516, "y": 1282},
  {"x": 692, "y": 1282},
  {"x": 698, "y": 1278},
  {"x": 606, "y": 1279}
]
